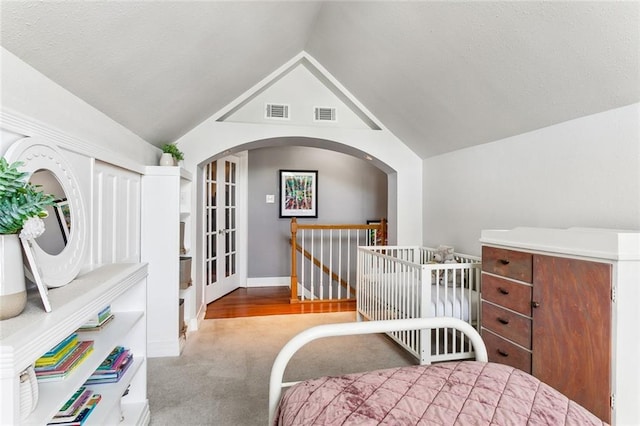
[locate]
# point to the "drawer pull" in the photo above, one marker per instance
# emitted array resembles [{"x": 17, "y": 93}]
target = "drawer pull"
[
  {"x": 503, "y": 321},
  {"x": 504, "y": 261},
  {"x": 503, "y": 353},
  {"x": 535, "y": 304},
  {"x": 503, "y": 290}
]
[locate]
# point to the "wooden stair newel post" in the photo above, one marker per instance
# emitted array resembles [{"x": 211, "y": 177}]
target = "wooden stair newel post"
[{"x": 294, "y": 268}]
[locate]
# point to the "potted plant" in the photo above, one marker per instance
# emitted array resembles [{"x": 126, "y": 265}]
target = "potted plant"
[
  {"x": 170, "y": 155},
  {"x": 22, "y": 207}
]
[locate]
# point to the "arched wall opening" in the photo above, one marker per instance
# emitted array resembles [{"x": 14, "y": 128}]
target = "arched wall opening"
[
  {"x": 403, "y": 169},
  {"x": 351, "y": 190}
]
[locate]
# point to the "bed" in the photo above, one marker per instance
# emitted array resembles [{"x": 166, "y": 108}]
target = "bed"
[
  {"x": 449, "y": 393},
  {"x": 402, "y": 282}
]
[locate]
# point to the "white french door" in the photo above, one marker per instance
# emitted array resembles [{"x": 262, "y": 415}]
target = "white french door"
[{"x": 221, "y": 228}]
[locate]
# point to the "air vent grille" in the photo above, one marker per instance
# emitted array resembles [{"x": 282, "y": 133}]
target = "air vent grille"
[
  {"x": 324, "y": 114},
  {"x": 278, "y": 111}
]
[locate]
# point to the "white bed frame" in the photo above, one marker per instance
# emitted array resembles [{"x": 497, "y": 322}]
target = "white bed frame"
[
  {"x": 276, "y": 383},
  {"x": 395, "y": 282}
]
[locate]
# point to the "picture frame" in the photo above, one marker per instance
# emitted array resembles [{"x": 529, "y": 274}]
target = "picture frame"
[
  {"x": 63, "y": 214},
  {"x": 33, "y": 273},
  {"x": 298, "y": 193}
]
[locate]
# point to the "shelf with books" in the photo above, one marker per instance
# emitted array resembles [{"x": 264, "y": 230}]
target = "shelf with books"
[
  {"x": 112, "y": 403},
  {"x": 78, "y": 409},
  {"x": 34, "y": 333},
  {"x": 104, "y": 342}
]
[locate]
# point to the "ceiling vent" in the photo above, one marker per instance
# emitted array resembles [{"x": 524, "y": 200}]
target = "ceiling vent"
[
  {"x": 277, "y": 111},
  {"x": 324, "y": 114}
]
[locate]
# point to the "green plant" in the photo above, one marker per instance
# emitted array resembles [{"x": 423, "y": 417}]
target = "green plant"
[
  {"x": 19, "y": 199},
  {"x": 172, "y": 149}
]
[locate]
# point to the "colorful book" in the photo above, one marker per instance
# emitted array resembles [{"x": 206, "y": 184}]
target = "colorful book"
[
  {"x": 113, "y": 360},
  {"x": 70, "y": 354},
  {"x": 96, "y": 327},
  {"x": 73, "y": 406},
  {"x": 80, "y": 417},
  {"x": 62, "y": 370},
  {"x": 98, "y": 320},
  {"x": 113, "y": 373},
  {"x": 61, "y": 350}
]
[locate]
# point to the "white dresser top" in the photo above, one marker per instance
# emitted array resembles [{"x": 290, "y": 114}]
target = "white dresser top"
[{"x": 598, "y": 243}]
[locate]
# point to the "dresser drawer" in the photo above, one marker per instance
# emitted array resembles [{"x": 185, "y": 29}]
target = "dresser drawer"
[
  {"x": 509, "y": 294},
  {"x": 507, "y": 324},
  {"x": 504, "y": 352},
  {"x": 508, "y": 263}
]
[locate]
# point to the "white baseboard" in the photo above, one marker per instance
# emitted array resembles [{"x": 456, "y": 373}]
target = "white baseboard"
[{"x": 268, "y": 282}]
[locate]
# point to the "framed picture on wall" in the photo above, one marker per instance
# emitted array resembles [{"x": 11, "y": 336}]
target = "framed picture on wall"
[{"x": 299, "y": 193}]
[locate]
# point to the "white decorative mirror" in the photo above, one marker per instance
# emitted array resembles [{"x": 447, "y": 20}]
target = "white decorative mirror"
[{"x": 59, "y": 256}]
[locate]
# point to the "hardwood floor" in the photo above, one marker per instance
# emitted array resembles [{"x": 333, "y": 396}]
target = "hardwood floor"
[{"x": 261, "y": 301}]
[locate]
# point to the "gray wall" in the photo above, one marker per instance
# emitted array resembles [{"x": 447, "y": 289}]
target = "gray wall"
[
  {"x": 350, "y": 190},
  {"x": 584, "y": 172}
]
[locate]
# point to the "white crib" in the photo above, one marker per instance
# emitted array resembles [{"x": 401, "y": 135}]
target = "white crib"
[{"x": 396, "y": 282}]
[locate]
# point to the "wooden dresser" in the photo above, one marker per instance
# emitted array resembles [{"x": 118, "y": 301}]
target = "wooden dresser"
[{"x": 552, "y": 306}]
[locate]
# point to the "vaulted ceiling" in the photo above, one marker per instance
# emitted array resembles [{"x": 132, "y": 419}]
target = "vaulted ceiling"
[{"x": 440, "y": 75}]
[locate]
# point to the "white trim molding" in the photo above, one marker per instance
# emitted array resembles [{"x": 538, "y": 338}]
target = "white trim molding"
[
  {"x": 268, "y": 282},
  {"x": 18, "y": 123}
]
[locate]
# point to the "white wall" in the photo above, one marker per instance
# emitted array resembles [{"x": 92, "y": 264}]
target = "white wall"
[
  {"x": 32, "y": 104},
  {"x": 301, "y": 108},
  {"x": 584, "y": 172},
  {"x": 212, "y": 138},
  {"x": 350, "y": 190}
]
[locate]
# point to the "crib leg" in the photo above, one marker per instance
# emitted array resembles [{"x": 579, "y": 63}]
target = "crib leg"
[{"x": 359, "y": 316}]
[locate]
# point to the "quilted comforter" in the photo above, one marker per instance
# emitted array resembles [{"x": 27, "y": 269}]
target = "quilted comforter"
[{"x": 450, "y": 393}]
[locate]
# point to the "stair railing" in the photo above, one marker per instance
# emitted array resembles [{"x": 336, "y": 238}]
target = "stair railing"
[{"x": 324, "y": 258}]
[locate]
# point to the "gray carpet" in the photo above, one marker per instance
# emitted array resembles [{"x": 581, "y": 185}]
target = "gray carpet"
[{"x": 222, "y": 376}]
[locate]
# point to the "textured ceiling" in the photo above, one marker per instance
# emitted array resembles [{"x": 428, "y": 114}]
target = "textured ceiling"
[{"x": 440, "y": 75}]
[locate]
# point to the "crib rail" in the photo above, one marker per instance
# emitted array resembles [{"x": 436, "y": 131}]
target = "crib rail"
[
  {"x": 396, "y": 282},
  {"x": 324, "y": 259}
]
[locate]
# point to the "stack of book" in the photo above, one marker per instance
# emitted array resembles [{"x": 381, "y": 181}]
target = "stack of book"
[
  {"x": 62, "y": 359},
  {"x": 113, "y": 367},
  {"x": 99, "y": 321},
  {"x": 77, "y": 409}
]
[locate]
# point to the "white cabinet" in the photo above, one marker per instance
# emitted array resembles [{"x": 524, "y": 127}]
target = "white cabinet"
[
  {"x": 580, "y": 282},
  {"x": 31, "y": 334},
  {"x": 165, "y": 203}
]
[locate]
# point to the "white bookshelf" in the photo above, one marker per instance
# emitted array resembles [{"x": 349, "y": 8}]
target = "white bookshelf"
[
  {"x": 165, "y": 203},
  {"x": 28, "y": 336}
]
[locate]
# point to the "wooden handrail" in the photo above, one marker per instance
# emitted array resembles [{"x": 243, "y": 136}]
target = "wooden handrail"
[{"x": 381, "y": 239}]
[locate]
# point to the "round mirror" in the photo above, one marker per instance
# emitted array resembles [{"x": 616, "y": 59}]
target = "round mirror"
[{"x": 59, "y": 255}]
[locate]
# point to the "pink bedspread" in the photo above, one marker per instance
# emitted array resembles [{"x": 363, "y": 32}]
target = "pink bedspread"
[{"x": 450, "y": 393}]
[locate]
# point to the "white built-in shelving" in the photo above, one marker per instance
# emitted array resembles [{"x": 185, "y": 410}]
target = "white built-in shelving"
[
  {"x": 165, "y": 203},
  {"x": 23, "y": 339}
]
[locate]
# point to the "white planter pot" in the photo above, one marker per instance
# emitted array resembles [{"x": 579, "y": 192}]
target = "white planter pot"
[
  {"x": 166, "y": 159},
  {"x": 13, "y": 293}
]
